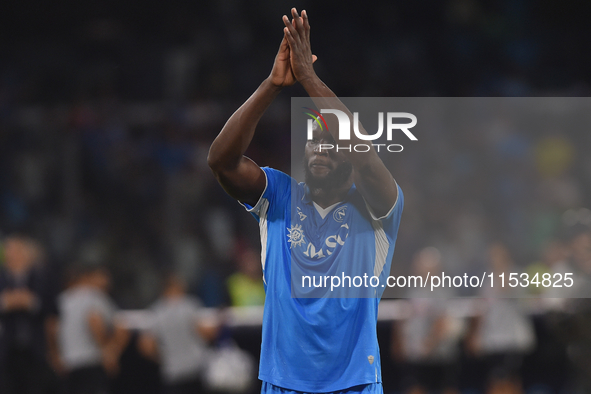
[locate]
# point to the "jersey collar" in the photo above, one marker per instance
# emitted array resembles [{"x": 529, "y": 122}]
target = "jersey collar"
[{"x": 307, "y": 197}]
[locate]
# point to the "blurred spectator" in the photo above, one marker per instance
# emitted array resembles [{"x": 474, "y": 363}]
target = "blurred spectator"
[
  {"x": 178, "y": 337},
  {"x": 24, "y": 305},
  {"x": 428, "y": 340},
  {"x": 555, "y": 260},
  {"x": 246, "y": 286},
  {"x": 502, "y": 334},
  {"x": 90, "y": 340},
  {"x": 581, "y": 251}
]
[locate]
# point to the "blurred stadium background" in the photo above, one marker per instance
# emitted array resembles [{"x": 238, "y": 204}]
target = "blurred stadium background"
[{"x": 107, "y": 111}]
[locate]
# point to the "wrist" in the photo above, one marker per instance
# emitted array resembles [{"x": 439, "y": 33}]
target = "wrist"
[
  {"x": 269, "y": 83},
  {"x": 309, "y": 81}
]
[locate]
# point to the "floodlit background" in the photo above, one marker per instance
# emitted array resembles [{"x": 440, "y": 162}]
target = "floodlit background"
[{"x": 107, "y": 111}]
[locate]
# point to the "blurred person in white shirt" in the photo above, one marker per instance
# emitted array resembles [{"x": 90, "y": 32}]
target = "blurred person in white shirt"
[
  {"x": 90, "y": 341},
  {"x": 428, "y": 340},
  {"x": 178, "y": 337},
  {"x": 501, "y": 334}
]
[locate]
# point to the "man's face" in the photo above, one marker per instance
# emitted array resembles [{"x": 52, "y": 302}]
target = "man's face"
[
  {"x": 101, "y": 279},
  {"x": 324, "y": 168},
  {"x": 18, "y": 254}
]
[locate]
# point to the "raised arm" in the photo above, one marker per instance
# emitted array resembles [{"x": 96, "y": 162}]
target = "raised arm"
[
  {"x": 372, "y": 178},
  {"x": 240, "y": 177}
]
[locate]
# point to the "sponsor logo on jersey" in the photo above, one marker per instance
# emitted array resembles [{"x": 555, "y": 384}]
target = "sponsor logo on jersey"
[
  {"x": 295, "y": 235},
  {"x": 301, "y": 214},
  {"x": 331, "y": 243}
]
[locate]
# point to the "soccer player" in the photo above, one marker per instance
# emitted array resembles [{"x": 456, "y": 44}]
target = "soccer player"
[{"x": 345, "y": 216}]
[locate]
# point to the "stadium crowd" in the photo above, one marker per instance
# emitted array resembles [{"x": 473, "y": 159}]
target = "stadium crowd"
[{"x": 106, "y": 118}]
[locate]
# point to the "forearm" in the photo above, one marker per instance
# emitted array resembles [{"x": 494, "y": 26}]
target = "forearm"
[
  {"x": 229, "y": 146},
  {"x": 51, "y": 334},
  {"x": 98, "y": 329},
  {"x": 20, "y": 300},
  {"x": 324, "y": 98},
  {"x": 371, "y": 176},
  {"x": 117, "y": 341},
  {"x": 317, "y": 89},
  {"x": 148, "y": 346}
]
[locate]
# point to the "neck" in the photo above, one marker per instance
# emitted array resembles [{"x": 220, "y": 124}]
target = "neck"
[
  {"x": 173, "y": 293},
  {"x": 327, "y": 197},
  {"x": 85, "y": 284}
]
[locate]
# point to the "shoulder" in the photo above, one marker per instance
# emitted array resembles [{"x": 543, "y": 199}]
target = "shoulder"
[
  {"x": 158, "y": 305},
  {"x": 102, "y": 301},
  {"x": 393, "y": 213},
  {"x": 96, "y": 294},
  {"x": 74, "y": 293},
  {"x": 277, "y": 181},
  {"x": 277, "y": 191},
  {"x": 274, "y": 173},
  {"x": 193, "y": 302},
  {"x": 76, "y": 298}
]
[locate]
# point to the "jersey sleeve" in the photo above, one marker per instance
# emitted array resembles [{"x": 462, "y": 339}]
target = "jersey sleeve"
[
  {"x": 195, "y": 308},
  {"x": 394, "y": 211},
  {"x": 152, "y": 325},
  {"x": 103, "y": 305},
  {"x": 391, "y": 221},
  {"x": 275, "y": 195},
  {"x": 386, "y": 232}
]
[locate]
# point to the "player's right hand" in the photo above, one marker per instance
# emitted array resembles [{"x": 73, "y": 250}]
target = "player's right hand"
[
  {"x": 281, "y": 74},
  {"x": 297, "y": 33}
]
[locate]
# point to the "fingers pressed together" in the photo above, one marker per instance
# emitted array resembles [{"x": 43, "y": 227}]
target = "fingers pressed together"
[{"x": 298, "y": 29}]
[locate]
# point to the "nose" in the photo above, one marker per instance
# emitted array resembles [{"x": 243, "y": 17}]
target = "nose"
[{"x": 319, "y": 151}]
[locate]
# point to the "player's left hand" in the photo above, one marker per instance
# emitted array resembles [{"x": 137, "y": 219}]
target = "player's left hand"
[{"x": 298, "y": 36}]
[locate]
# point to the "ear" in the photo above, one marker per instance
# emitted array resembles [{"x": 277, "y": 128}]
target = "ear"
[{"x": 314, "y": 58}]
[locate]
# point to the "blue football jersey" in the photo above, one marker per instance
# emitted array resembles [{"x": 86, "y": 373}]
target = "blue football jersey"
[{"x": 318, "y": 339}]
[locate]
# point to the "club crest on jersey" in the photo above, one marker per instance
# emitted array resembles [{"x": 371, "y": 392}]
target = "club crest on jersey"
[
  {"x": 339, "y": 214},
  {"x": 301, "y": 214},
  {"x": 295, "y": 235}
]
